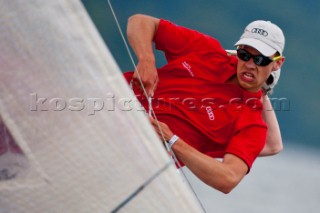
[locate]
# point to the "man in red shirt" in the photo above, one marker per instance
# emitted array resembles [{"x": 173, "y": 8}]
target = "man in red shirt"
[{"x": 208, "y": 102}]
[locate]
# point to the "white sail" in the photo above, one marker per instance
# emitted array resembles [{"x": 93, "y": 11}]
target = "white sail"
[{"x": 64, "y": 102}]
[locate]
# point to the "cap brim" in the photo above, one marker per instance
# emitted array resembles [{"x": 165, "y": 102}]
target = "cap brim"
[{"x": 263, "y": 48}]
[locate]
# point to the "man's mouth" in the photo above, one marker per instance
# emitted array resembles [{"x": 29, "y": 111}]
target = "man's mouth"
[{"x": 247, "y": 77}]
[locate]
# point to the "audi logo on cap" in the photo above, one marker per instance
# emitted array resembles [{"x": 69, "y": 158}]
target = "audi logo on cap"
[{"x": 260, "y": 31}]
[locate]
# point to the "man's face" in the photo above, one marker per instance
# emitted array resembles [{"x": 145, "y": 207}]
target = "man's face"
[{"x": 251, "y": 76}]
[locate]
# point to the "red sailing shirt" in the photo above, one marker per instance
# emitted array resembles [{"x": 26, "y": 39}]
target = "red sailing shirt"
[{"x": 194, "y": 100}]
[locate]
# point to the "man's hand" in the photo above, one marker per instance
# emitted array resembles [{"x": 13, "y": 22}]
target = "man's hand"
[
  {"x": 161, "y": 128},
  {"x": 147, "y": 71}
]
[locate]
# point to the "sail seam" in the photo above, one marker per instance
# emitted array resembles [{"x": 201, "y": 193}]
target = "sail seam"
[{"x": 141, "y": 187}]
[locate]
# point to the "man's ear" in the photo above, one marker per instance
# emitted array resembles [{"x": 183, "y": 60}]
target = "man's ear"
[{"x": 278, "y": 64}]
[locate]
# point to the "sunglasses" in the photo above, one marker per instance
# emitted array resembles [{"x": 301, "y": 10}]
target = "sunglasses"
[{"x": 259, "y": 60}]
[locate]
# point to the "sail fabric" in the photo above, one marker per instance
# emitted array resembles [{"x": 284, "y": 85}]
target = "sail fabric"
[{"x": 85, "y": 144}]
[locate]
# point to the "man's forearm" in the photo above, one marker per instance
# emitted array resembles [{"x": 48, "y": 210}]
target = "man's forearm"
[
  {"x": 274, "y": 140},
  {"x": 223, "y": 176},
  {"x": 141, "y": 30}
]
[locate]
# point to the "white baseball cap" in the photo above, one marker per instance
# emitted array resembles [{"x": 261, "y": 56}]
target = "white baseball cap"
[{"x": 264, "y": 36}]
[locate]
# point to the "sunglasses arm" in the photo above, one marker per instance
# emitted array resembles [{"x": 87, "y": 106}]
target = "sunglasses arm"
[{"x": 232, "y": 52}]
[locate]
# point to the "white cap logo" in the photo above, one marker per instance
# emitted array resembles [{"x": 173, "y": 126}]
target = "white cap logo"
[{"x": 260, "y": 31}]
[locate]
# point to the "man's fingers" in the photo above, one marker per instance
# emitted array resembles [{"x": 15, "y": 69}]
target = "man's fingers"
[
  {"x": 153, "y": 121},
  {"x": 155, "y": 125},
  {"x": 149, "y": 84},
  {"x": 151, "y": 87},
  {"x": 149, "y": 91}
]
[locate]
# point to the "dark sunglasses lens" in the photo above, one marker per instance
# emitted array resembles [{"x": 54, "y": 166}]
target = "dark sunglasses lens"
[
  {"x": 261, "y": 60},
  {"x": 243, "y": 55},
  {"x": 258, "y": 60}
]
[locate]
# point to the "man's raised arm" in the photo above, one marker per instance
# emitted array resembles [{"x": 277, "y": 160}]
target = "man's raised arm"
[
  {"x": 141, "y": 30},
  {"x": 274, "y": 141}
]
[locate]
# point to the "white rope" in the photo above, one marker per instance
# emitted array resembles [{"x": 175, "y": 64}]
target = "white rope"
[{"x": 151, "y": 112}]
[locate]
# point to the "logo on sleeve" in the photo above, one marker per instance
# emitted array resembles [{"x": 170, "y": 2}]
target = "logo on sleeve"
[{"x": 188, "y": 67}]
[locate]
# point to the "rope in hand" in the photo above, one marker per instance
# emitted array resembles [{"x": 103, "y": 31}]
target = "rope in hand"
[{"x": 151, "y": 113}]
